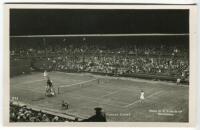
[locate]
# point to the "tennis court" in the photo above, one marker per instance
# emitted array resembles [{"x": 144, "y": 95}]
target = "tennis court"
[{"x": 119, "y": 97}]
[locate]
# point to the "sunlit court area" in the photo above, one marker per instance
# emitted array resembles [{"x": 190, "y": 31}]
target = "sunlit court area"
[{"x": 119, "y": 98}]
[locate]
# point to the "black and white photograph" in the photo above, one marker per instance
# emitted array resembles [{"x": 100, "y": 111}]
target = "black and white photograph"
[{"x": 100, "y": 64}]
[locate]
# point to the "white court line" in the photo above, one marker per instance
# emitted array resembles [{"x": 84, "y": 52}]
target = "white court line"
[
  {"x": 144, "y": 99},
  {"x": 96, "y": 100},
  {"x": 33, "y": 81},
  {"x": 32, "y": 90},
  {"x": 66, "y": 86},
  {"x": 109, "y": 94},
  {"x": 70, "y": 80}
]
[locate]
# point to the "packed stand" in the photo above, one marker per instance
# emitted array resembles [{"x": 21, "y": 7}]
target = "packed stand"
[
  {"x": 153, "y": 59},
  {"x": 24, "y": 114}
]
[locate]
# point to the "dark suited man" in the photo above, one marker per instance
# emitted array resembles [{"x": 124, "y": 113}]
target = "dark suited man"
[{"x": 98, "y": 117}]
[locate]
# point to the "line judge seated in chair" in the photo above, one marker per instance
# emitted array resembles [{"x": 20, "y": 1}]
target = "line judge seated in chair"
[{"x": 65, "y": 105}]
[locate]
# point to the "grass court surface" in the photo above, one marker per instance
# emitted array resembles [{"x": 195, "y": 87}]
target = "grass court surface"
[{"x": 119, "y": 97}]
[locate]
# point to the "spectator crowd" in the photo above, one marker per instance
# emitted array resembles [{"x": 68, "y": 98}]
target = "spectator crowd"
[
  {"x": 23, "y": 114},
  {"x": 153, "y": 59}
]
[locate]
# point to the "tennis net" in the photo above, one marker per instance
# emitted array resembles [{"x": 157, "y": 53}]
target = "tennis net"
[{"x": 78, "y": 86}]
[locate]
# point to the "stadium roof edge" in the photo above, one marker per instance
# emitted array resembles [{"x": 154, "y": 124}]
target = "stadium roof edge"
[
  {"x": 108, "y": 3},
  {"x": 103, "y": 35}
]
